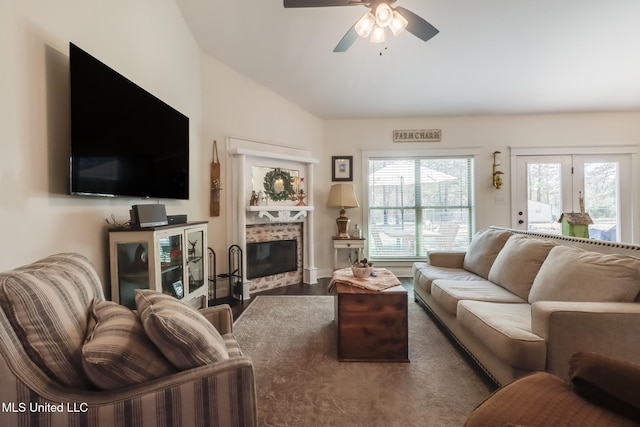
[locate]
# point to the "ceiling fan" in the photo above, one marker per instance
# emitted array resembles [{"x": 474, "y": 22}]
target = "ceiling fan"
[{"x": 374, "y": 23}]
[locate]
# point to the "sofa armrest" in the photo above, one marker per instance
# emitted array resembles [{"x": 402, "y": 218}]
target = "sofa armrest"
[
  {"x": 608, "y": 328},
  {"x": 446, "y": 259},
  {"x": 220, "y": 316}
]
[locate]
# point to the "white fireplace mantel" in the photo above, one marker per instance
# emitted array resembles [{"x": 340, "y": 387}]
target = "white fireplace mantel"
[
  {"x": 281, "y": 213},
  {"x": 300, "y": 158},
  {"x": 243, "y": 154}
]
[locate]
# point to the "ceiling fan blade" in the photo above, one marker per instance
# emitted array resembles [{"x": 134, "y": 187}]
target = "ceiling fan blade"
[
  {"x": 347, "y": 40},
  {"x": 317, "y": 3},
  {"x": 418, "y": 26}
]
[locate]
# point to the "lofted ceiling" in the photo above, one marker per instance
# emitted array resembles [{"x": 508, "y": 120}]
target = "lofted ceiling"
[{"x": 490, "y": 57}]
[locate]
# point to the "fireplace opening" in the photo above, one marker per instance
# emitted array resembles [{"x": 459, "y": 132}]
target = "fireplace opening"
[{"x": 273, "y": 257}]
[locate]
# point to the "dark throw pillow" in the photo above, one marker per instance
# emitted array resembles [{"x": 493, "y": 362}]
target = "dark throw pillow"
[{"x": 607, "y": 382}]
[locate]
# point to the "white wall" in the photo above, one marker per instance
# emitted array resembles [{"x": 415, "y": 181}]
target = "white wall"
[
  {"x": 148, "y": 42},
  {"x": 234, "y": 105},
  {"x": 489, "y": 133}
]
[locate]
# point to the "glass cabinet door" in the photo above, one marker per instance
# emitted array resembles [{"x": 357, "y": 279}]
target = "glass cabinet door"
[
  {"x": 195, "y": 259},
  {"x": 133, "y": 270},
  {"x": 170, "y": 252}
]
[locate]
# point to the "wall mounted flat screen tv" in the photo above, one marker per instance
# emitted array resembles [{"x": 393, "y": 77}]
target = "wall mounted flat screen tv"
[{"x": 124, "y": 140}]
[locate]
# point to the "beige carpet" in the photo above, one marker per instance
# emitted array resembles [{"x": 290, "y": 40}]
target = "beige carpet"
[{"x": 291, "y": 340}]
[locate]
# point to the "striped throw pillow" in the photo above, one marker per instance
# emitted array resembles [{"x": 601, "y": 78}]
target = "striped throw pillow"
[
  {"x": 181, "y": 333},
  {"x": 233, "y": 348},
  {"x": 117, "y": 351},
  {"x": 47, "y": 303}
]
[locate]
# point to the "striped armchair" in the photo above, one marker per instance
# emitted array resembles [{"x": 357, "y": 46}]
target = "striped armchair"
[{"x": 44, "y": 317}]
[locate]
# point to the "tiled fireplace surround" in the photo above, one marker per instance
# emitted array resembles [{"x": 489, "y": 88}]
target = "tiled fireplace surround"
[
  {"x": 276, "y": 221},
  {"x": 271, "y": 232}
]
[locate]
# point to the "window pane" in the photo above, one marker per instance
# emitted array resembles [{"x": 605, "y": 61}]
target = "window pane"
[
  {"x": 445, "y": 182},
  {"x": 544, "y": 200},
  {"x": 601, "y": 199},
  {"x": 419, "y": 204}
]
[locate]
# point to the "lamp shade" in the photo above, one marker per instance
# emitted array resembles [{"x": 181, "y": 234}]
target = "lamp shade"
[
  {"x": 398, "y": 23},
  {"x": 384, "y": 14},
  {"x": 365, "y": 24},
  {"x": 342, "y": 196},
  {"x": 378, "y": 34}
]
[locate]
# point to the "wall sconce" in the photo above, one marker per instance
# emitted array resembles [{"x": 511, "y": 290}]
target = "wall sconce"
[{"x": 497, "y": 180}]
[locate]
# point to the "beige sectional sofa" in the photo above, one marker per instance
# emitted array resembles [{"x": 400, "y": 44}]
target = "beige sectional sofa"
[{"x": 520, "y": 302}]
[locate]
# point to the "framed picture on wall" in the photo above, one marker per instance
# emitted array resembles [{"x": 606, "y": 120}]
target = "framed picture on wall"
[{"x": 342, "y": 168}]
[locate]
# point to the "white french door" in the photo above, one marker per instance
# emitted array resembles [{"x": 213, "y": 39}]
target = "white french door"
[{"x": 548, "y": 185}]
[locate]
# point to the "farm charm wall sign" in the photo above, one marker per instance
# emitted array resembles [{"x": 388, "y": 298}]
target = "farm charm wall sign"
[{"x": 417, "y": 135}]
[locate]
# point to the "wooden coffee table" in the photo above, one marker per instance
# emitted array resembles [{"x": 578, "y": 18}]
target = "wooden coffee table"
[{"x": 371, "y": 326}]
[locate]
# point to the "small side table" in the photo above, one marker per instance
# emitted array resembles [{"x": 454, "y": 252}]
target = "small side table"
[{"x": 346, "y": 244}]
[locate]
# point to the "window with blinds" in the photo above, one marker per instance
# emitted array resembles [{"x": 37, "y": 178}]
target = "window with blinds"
[{"x": 418, "y": 204}]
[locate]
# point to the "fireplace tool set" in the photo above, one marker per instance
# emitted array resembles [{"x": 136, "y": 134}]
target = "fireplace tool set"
[{"x": 234, "y": 275}]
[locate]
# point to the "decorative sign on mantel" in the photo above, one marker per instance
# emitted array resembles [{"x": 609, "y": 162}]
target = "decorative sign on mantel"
[{"x": 417, "y": 135}]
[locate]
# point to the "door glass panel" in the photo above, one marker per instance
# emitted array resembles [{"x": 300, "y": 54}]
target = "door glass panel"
[
  {"x": 195, "y": 260},
  {"x": 133, "y": 271},
  {"x": 544, "y": 197},
  {"x": 547, "y": 186},
  {"x": 601, "y": 199},
  {"x": 171, "y": 262}
]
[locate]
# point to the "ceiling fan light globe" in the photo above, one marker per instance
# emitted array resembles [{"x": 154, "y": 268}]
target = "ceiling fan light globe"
[
  {"x": 384, "y": 15},
  {"x": 365, "y": 24},
  {"x": 378, "y": 35},
  {"x": 398, "y": 23}
]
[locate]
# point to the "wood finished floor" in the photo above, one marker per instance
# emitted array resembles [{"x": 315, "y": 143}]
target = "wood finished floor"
[{"x": 320, "y": 288}]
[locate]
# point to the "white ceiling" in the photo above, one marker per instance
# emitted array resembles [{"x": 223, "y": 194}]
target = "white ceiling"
[{"x": 490, "y": 57}]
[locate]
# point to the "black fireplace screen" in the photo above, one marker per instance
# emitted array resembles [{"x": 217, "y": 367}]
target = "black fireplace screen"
[{"x": 269, "y": 258}]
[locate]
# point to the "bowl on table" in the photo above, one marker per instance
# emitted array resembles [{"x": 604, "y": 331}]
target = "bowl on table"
[{"x": 361, "y": 271}]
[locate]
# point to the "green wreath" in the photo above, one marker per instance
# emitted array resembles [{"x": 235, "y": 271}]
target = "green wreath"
[{"x": 270, "y": 180}]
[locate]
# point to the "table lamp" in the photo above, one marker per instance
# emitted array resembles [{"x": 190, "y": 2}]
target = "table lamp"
[{"x": 342, "y": 196}]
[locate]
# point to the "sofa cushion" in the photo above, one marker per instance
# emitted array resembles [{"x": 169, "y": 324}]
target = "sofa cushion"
[
  {"x": 424, "y": 274},
  {"x": 505, "y": 329},
  {"x": 573, "y": 274},
  {"x": 117, "y": 351},
  {"x": 448, "y": 292},
  {"x": 518, "y": 262},
  {"x": 181, "y": 333},
  {"x": 47, "y": 303},
  {"x": 483, "y": 250}
]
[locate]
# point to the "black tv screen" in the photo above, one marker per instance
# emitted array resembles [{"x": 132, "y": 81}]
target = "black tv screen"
[{"x": 124, "y": 140}]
